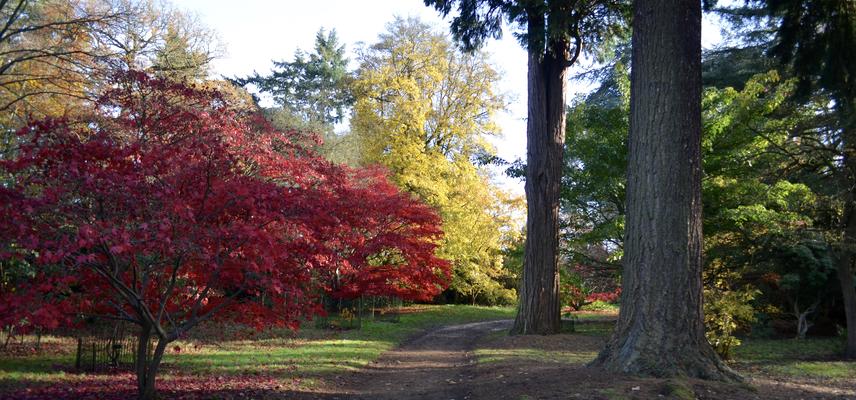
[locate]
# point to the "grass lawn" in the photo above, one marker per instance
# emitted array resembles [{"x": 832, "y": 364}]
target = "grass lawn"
[
  {"x": 280, "y": 356},
  {"x": 313, "y": 352},
  {"x": 225, "y": 357},
  {"x": 774, "y": 368},
  {"x": 811, "y": 358}
]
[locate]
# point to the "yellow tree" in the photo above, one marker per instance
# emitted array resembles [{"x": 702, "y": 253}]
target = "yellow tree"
[
  {"x": 55, "y": 55},
  {"x": 423, "y": 110}
]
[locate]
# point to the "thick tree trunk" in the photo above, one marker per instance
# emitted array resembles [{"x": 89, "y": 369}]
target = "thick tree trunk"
[
  {"x": 845, "y": 277},
  {"x": 846, "y": 251},
  {"x": 539, "y": 309},
  {"x": 660, "y": 330}
]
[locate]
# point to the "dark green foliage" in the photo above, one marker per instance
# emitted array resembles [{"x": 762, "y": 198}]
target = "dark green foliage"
[
  {"x": 582, "y": 22},
  {"x": 314, "y": 87},
  {"x": 594, "y": 181},
  {"x": 760, "y": 201},
  {"x": 732, "y": 67},
  {"x": 817, "y": 38}
]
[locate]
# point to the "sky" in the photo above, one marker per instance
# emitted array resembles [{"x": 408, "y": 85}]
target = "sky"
[{"x": 255, "y": 32}]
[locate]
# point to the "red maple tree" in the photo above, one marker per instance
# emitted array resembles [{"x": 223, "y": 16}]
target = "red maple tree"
[{"x": 168, "y": 207}]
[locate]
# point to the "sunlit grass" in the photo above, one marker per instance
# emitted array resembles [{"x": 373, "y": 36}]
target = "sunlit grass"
[
  {"x": 817, "y": 369},
  {"x": 601, "y": 306},
  {"x": 308, "y": 354},
  {"x": 813, "y": 357},
  {"x": 491, "y": 355}
]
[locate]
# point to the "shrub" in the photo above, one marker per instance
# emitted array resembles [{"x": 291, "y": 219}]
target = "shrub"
[{"x": 725, "y": 313}]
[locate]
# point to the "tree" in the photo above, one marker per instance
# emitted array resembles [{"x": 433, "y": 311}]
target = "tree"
[
  {"x": 45, "y": 52},
  {"x": 154, "y": 37},
  {"x": 554, "y": 34},
  {"x": 312, "y": 92},
  {"x": 58, "y": 54},
  {"x": 386, "y": 238},
  {"x": 593, "y": 190},
  {"x": 815, "y": 38},
  {"x": 660, "y": 329},
  {"x": 423, "y": 110},
  {"x": 168, "y": 208},
  {"x": 763, "y": 195}
]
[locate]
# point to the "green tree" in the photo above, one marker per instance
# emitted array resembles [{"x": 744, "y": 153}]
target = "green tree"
[
  {"x": 180, "y": 56},
  {"x": 423, "y": 110},
  {"x": 554, "y": 34},
  {"x": 762, "y": 195},
  {"x": 313, "y": 87},
  {"x": 815, "y": 38},
  {"x": 593, "y": 200},
  {"x": 312, "y": 93}
]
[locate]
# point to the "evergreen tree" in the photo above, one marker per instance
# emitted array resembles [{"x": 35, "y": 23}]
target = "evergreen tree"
[
  {"x": 660, "y": 329},
  {"x": 313, "y": 88},
  {"x": 554, "y": 34}
]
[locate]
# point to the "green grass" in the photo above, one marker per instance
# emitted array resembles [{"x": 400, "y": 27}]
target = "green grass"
[
  {"x": 315, "y": 351},
  {"x": 588, "y": 328},
  {"x": 601, "y": 306},
  {"x": 566, "y": 357},
  {"x": 817, "y": 369},
  {"x": 813, "y": 357},
  {"x": 769, "y": 350},
  {"x": 310, "y": 353}
]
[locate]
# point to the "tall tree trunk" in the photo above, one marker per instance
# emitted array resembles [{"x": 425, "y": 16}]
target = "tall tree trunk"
[
  {"x": 539, "y": 309},
  {"x": 848, "y": 226},
  {"x": 660, "y": 330},
  {"x": 845, "y": 277}
]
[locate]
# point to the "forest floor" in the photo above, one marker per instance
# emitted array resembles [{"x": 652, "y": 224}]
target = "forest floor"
[
  {"x": 480, "y": 361},
  {"x": 434, "y": 353}
]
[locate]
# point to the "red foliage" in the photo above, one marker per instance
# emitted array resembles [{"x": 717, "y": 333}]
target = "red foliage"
[
  {"x": 574, "y": 296},
  {"x": 168, "y": 207},
  {"x": 606, "y": 297},
  {"x": 121, "y": 386}
]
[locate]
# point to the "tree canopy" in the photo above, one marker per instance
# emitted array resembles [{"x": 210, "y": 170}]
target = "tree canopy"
[
  {"x": 250, "y": 227},
  {"x": 424, "y": 110}
]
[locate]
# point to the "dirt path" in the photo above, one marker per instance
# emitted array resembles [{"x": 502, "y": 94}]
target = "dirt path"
[
  {"x": 441, "y": 364},
  {"x": 437, "y": 365}
]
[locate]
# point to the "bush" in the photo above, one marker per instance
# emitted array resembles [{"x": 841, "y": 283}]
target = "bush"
[
  {"x": 500, "y": 296},
  {"x": 602, "y": 306},
  {"x": 573, "y": 292},
  {"x": 725, "y": 313},
  {"x": 606, "y": 297}
]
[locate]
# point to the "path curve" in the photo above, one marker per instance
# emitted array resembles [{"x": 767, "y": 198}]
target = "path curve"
[{"x": 436, "y": 365}]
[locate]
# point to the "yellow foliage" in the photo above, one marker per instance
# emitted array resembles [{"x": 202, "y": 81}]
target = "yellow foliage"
[{"x": 423, "y": 110}]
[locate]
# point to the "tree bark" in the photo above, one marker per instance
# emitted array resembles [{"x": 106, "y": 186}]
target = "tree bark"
[
  {"x": 845, "y": 277},
  {"x": 142, "y": 359},
  {"x": 146, "y": 368},
  {"x": 660, "y": 329},
  {"x": 848, "y": 226},
  {"x": 539, "y": 309},
  {"x": 149, "y": 389}
]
